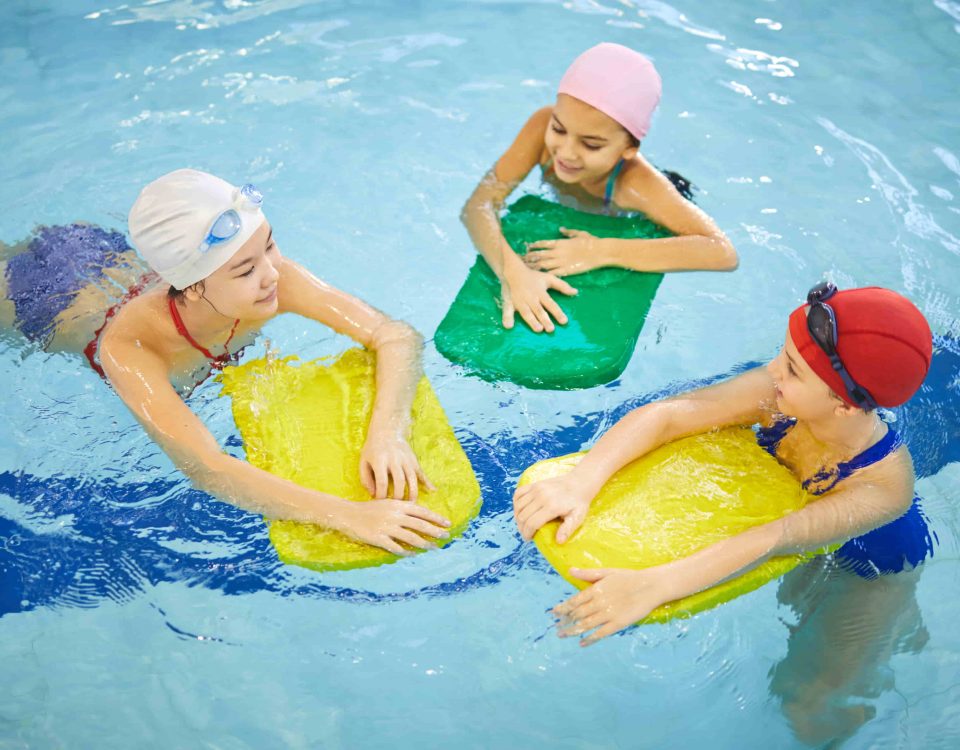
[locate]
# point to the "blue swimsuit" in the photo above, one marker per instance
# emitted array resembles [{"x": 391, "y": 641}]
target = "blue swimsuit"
[{"x": 888, "y": 549}]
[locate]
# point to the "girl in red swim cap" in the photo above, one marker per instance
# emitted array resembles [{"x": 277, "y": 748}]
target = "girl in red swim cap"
[{"x": 845, "y": 354}]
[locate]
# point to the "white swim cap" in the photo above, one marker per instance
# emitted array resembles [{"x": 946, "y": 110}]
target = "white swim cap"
[{"x": 176, "y": 224}]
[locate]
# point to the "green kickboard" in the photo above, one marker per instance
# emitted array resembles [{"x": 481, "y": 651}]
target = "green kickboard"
[{"x": 605, "y": 318}]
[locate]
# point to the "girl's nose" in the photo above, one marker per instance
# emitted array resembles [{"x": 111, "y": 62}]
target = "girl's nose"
[
  {"x": 773, "y": 367},
  {"x": 271, "y": 277}
]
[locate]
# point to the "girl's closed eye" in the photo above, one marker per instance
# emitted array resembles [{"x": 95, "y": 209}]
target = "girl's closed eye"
[
  {"x": 592, "y": 146},
  {"x": 791, "y": 370},
  {"x": 247, "y": 272},
  {"x": 557, "y": 129}
]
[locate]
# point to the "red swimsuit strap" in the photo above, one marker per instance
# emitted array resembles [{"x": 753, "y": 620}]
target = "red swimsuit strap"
[
  {"x": 90, "y": 350},
  {"x": 182, "y": 330}
]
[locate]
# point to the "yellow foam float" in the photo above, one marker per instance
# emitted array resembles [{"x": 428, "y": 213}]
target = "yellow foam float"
[
  {"x": 307, "y": 422},
  {"x": 672, "y": 502}
]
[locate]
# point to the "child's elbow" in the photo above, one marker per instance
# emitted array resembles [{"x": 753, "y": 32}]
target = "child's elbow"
[
  {"x": 727, "y": 257},
  {"x": 396, "y": 331},
  {"x": 466, "y": 211}
]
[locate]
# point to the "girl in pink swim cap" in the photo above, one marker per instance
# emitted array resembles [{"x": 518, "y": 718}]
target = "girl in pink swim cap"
[{"x": 588, "y": 146}]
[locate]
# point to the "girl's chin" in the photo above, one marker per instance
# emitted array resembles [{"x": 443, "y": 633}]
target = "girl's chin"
[
  {"x": 782, "y": 406},
  {"x": 261, "y": 311},
  {"x": 567, "y": 177}
]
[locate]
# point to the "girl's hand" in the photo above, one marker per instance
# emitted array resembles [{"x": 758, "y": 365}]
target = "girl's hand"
[
  {"x": 576, "y": 254},
  {"x": 387, "y": 523},
  {"x": 542, "y": 502},
  {"x": 617, "y": 599},
  {"x": 524, "y": 291},
  {"x": 385, "y": 457}
]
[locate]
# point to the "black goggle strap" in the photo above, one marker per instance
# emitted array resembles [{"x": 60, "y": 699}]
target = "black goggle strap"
[{"x": 827, "y": 341}]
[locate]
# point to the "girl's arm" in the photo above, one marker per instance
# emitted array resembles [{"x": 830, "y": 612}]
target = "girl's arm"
[
  {"x": 139, "y": 376},
  {"x": 524, "y": 291},
  {"x": 873, "y": 497},
  {"x": 741, "y": 400},
  {"x": 386, "y": 454},
  {"x": 698, "y": 246}
]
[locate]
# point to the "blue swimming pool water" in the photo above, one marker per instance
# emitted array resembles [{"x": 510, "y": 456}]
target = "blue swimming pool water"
[{"x": 135, "y": 612}]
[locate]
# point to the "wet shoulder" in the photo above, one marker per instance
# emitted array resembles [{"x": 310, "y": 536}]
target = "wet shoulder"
[{"x": 142, "y": 323}]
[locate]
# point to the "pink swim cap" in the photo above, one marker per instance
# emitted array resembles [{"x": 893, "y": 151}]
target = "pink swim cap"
[{"x": 621, "y": 83}]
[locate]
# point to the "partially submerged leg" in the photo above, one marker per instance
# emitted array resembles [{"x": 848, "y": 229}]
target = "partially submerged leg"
[{"x": 839, "y": 651}]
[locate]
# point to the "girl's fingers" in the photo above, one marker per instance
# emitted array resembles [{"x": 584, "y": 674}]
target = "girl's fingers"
[
  {"x": 380, "y": 480},
  {"x": 609, "y": 629},
  {"x": 544, "y": 317},
  {"x": 391, "y": 546},
  {"x": 418, "y": 511},
  {"x": 582, "y": 626},
  {"x": 424, "y": 527},
  {"x": 399, "y": 481},
  {"x": 543, "y": 516},
  {"x": 562, "y": 286},
  {"x": 562, "y": 609},
  {"x": 531, "y": 320},
  {"x": 528, "y": 509},
  {"x": 366, "y": 478},
  {"x": 554, "y": 309},
  {"x": 508, "y": 312},
  {"x": 522, "y": 492},
  {"x": 414, "y": 540},
  {"x": 413, "y": 483},
  {"x": 586, "y": 609}
]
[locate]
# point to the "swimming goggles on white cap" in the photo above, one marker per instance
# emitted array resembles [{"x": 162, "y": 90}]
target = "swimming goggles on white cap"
[{"x": 227, "y": 224}]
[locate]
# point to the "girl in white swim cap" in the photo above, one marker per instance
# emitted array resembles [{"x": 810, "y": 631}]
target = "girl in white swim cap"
[
  {"x": 588, "y": 146},
  {"x": 218, "y": 277}
]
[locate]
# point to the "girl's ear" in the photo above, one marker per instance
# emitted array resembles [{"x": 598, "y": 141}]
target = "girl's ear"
[
  {"x": 843, "y": 409},
  {"x": 630, "y": 153},
  {"x": 194, "y": 293}
]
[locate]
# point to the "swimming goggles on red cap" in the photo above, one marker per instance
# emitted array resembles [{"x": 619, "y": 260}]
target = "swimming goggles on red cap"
[{"x": 822, "y": 325}]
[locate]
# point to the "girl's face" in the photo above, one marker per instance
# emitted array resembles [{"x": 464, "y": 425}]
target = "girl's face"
[
  {"x": 584, "y": 143},
  {"x": 800, "y": 391},
  {"x": 246, "y": 286}
]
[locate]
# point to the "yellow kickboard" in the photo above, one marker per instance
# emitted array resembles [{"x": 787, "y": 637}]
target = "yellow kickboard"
[
  {"x": 672, "y": 502},
  {"x": 307, "y": 422}
]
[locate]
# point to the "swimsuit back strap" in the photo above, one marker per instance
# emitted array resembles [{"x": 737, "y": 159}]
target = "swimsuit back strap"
[
  {"x": 824, "y": 481},
  {"x": 611, "y": 184},
  {"x": 876, "y": 452},
  {"x": 91, "y": 350}
]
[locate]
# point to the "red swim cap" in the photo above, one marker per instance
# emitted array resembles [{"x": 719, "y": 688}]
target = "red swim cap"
[{"x": 882, "y": 338}]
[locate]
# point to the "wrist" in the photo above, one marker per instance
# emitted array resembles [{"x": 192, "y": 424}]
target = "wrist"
[
  {"x": 337, "y": 515},
  {"x": 583, "y": 487},
  {"x": 603, "y": 250},
  {"x": 512, "y": 263},
  {"x": 390, "y": 425}
]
